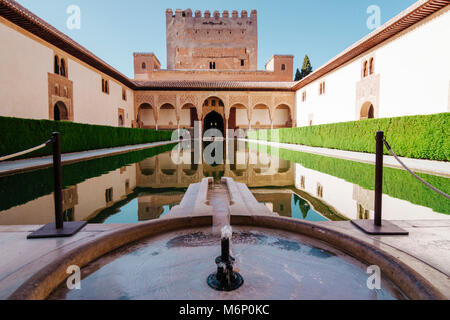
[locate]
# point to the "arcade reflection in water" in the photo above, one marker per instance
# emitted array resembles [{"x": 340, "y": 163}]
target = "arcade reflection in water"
[{"x": 149, "y": 189}]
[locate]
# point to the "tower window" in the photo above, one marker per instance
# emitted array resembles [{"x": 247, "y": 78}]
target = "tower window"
[
  {"x": 105, "y": 86},
  {"x": 63, "y": 68},
  {"x": 109, "y": 195},
  {"x": 144, "y": 66},
  {"x": 242, "y": 63},
  {"x": 365, "y": 69},
  {"x": 322, "y": 88},
  {"x": 212, "y": 65},
  {"x": 371, "y": 66},
  {"x": 283, "y": 67},
  {"x": 56, "y": 67}
]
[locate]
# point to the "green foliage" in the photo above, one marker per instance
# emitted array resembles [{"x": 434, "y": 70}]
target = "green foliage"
[
  {"x": 306, "y": 68},
  {"x": 298, "y": 75},
  {"x": 420, "y": 137},
  {"x": 396, "y": 183},
  {"x": 20, "y": 134},
  {"x": 21, "y": 188}
]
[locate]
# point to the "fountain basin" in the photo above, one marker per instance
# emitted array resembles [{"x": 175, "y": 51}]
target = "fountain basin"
[{"x": 275, "y": 254}]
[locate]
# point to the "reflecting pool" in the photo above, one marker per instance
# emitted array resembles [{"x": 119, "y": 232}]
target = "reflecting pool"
[{"x": 145, "y": 185}]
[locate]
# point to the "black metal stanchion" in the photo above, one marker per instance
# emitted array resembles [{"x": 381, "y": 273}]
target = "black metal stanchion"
[
  {"x": 377, "y": 226},
  {"x": 59, "y": 228}
]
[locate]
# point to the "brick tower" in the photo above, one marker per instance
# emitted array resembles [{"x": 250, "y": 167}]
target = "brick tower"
[{"x": 218, "y": 41}]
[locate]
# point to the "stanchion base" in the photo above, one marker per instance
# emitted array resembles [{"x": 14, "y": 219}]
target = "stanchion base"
[
  {"x": 50, "y": 231},
  {"x": 387, "y": 228}
]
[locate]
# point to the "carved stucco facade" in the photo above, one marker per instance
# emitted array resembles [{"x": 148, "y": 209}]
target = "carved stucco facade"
[{"x": 249, "y": 101}]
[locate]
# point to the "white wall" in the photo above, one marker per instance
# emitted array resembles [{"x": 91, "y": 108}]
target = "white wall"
[
  {"x": 93, "y": 106},
  {"x": 24, "y": 64},
  {"x": 414, "y": 69}
]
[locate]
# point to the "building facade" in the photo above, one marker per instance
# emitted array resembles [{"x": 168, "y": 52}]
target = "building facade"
[{"x": 402, "y": 68}]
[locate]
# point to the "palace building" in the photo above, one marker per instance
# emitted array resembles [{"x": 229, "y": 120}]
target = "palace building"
[{"x": 401, "y": 68}]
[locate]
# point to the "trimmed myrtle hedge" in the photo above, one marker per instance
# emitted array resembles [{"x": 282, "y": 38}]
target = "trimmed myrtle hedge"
[
  {"x": 20, "y": 134},
  {"x": 420, "y": 137},
  {"x": 396, "y": 183}
]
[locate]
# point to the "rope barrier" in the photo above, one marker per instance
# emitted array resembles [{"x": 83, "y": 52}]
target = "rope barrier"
[
  {"x": 412, "y": 173},
  {"x": 21, "y": 153}
]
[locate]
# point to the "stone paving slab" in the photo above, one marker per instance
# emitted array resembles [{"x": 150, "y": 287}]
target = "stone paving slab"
[
  {"x": 18, "y": 166},
  {"x": 428, "y": 241},
  {"x": 21, "y": 256},
  {"x": 441, "y": 168}
]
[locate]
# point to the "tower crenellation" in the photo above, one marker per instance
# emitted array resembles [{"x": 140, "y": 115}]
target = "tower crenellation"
[{"x": 214, "y": 40}]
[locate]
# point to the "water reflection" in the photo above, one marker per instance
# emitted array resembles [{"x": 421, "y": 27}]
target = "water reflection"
[{"x": 145, "y": 185}]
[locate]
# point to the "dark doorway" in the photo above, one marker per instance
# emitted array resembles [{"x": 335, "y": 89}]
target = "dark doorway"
[
  {"x": 213, "y": 121},
  {"x": 60, "y": 112},
  {"x": 371, "y": 113}
]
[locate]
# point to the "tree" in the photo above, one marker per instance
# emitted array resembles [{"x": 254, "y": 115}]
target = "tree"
[
  {"x": 298, "y": 75},
  {"x": 306, "y": 68}
]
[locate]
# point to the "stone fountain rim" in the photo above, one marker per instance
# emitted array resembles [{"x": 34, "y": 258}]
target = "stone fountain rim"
[{"x": 44, "y": 281}]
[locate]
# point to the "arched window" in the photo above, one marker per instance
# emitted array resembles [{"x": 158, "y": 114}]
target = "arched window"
[
  {"x": 106, "y": 86},
  {"x": 144, "y": 66},
  {"x": 371, "y": 66},
  {"x": 365, "y": 69},
  {"x": 120, "y": 121},
  {"x": 63, "y": 68},
  {"x": 56, "y": 67},
  {"x": 283, "y": 67},
  {"x": 103, "y": 85}
]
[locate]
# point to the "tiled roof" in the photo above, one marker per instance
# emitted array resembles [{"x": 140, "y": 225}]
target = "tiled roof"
[{"x": 214, "y": 85}]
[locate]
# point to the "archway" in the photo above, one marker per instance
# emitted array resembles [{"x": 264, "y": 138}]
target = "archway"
[
  {"x": 213, "y": 120},
  {"x": 167, "y": 117},
  {"x": 367, "y": 111},
  {"x": 188, "y": 116},
  {"x": 146, "y": 117},
  {"x": 60, "y": 112},
  {"x": 282, "y": 117},
  {"x": 238, "y": 118},
  {"x": 261, "y": 117}
]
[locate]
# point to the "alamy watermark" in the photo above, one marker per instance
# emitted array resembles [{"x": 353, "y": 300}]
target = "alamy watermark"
[
  {"x": 374, "y": 280},
  {"x": 374, "y": 19},
  {"x": 74, "y": 20},
  {"x": 74, "y": 280}
]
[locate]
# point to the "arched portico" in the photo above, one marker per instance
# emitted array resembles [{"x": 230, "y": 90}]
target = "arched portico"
[
  {"x": 146, "y": 117},
  {"x": 282, "y": 117},
  {"x": 261, "y": 117}
]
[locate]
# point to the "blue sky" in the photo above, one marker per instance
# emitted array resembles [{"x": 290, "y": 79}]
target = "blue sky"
[{"x": 114, "y": 29}]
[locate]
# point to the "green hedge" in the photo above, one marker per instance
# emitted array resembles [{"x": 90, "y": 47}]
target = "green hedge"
[
  {"x": 20, "y": 134},
  {"x": 420, "y": 137}
]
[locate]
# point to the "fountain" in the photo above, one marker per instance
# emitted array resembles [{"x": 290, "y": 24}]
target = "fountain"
[{"x": 226, "y": 279}]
